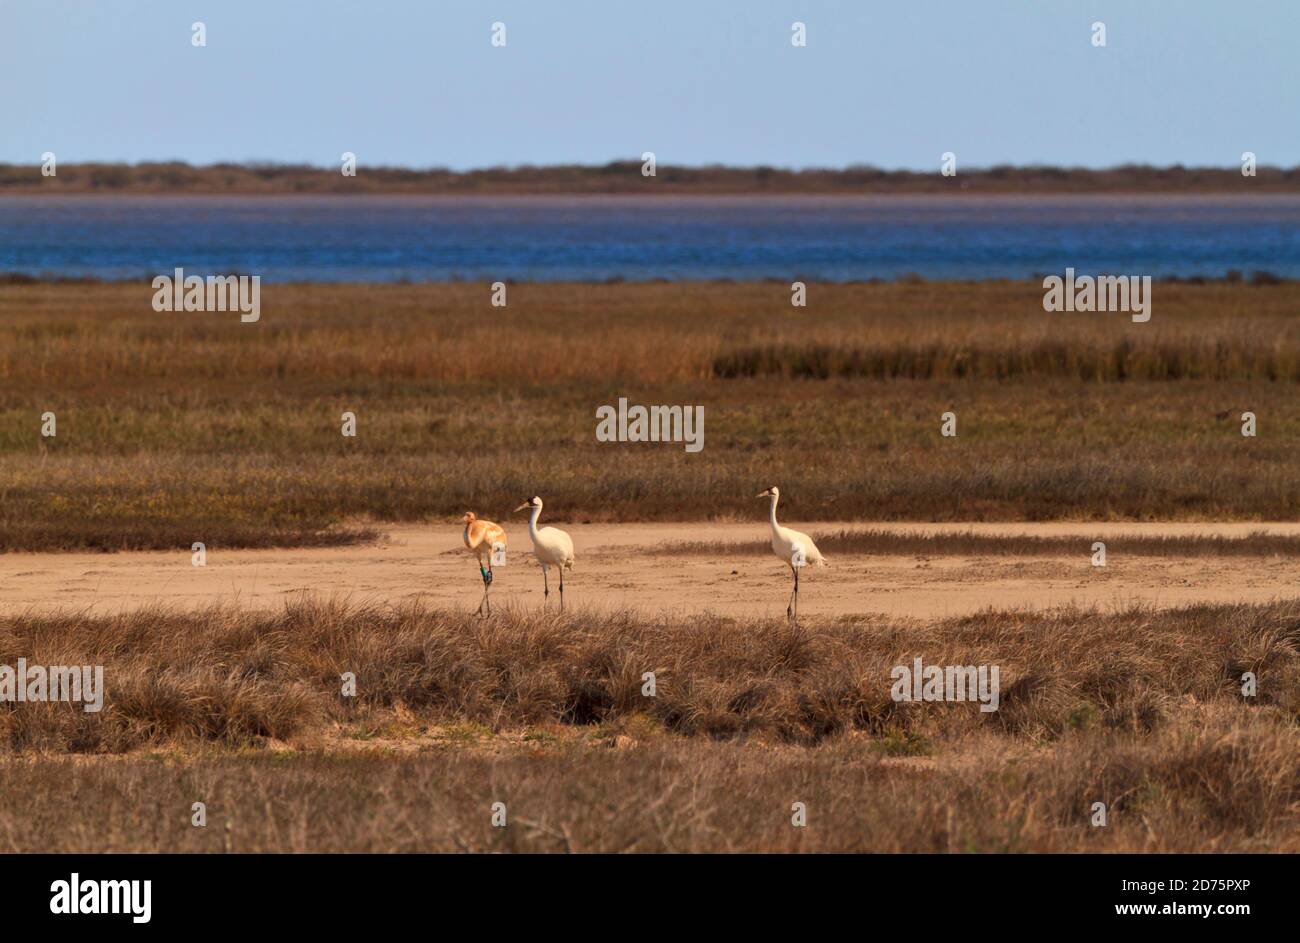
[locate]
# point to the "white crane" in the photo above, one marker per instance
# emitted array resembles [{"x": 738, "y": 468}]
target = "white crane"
[
  {"x": 484, "y": 539},
  {"x": 551, "y": 547},
  {"x": 796, "y": 549}
]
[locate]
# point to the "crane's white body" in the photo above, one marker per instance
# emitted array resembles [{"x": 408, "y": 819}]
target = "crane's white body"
[
  {"x": 551, "y": 546},
  {"x": 794, "y": 547},
  {"x": 786, "y": 540}
]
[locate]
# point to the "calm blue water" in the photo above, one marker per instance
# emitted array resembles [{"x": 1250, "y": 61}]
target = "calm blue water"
[{"x": 382, "y": 239}]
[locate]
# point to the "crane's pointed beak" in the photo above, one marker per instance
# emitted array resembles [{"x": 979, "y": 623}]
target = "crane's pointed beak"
[
  {"x": 765, "y": 494},
  {"x": 526, "y": 504}
]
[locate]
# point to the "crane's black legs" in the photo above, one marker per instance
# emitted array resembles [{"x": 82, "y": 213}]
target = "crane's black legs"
[
  {"x": 792, "y": 608},
  {"x": 487, "y": 581}
]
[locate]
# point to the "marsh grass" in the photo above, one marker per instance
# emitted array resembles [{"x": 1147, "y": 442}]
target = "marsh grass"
[
  {"x": 1137, "y": 708},
  {"x": 181, "y": 427},
  {"x": 233, "y": 677},
  {"x": 1093, "y": 360},
  {"x": 972, "y": 544},
  {"x": 1227, "y": 786}
]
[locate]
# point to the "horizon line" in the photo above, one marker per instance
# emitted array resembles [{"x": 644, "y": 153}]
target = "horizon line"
[{"x": 857, "y": 167}]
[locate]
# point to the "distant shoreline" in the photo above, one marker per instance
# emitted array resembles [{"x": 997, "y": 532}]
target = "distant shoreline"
[
  {"x": 1207, "y": 198},
  {"x": 624, "y": 178},
  {"x": 1234, "y": 278}
]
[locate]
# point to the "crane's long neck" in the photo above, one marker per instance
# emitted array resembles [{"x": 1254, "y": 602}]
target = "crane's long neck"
[
  {"x": 771, "y": 514},
  {"x": 532, "y": 523}
]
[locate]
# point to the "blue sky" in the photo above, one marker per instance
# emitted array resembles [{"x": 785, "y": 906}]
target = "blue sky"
[{"x": 417, "y": 82}]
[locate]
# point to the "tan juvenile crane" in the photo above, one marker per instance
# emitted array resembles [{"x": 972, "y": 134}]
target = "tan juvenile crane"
[{"x": 484, "y": 538}]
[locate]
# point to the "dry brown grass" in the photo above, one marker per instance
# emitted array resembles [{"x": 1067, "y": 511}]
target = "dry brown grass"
[
  {"x": 106, "y": 337},
  {"x": 1227, "y": 786},
  {"x": 970, "y": 543},
  {"x": 182, "y": 427},
  {"x": 240, "y": 677},
  {"x": 1137, "y": 709}
]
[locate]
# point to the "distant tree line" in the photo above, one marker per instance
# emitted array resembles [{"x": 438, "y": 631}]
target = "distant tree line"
[{"x": 626, "y": 177}]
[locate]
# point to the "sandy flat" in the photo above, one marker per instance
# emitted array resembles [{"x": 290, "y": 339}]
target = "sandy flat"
[{"x": 428, "y": 562}]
